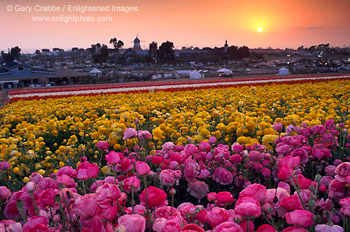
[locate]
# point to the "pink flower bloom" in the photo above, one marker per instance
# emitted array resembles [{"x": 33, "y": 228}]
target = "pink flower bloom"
[
  {"x": 143, "y": 135},
  {"x": 192, "y": 228},
  {"x": 129, "y": 133},
  {"x": 11, "y": 211},
  {"x": 283, "y": 149},
  {"x": 4, "y": 165},
  {"x": 87, "y": 170},
  {"x": 86, "y": 206},
  {"x": 190, "y": 149},
  {"x": 302, "y": 218},
  {"x": 328, "y": 228},
  {"x": 248, "y": 207},
  {"x": 266, "y": 228},
  {"x": 131, "y": 182},
  {"x": 67, "y": 170},
  {"x": 290, "y": 161},
  {"x": 345, "y": 206},
  {"x": 225, "y": 197},
  {"x": 217, "y": 216},
  {"x": 46, "y": 183},
  {"x": 198, "y": 189},
  {"x": 102, "y": 145},
  {"x": 112, "y": 158},
  {"x": 294, "y": 229},
  {"x": 168, "y": 146},
  {"x": 342, "y": 171},
  {"x": 47, "y": 197},
  {"x": 291, "y": 203},
  {"x": 212, "y": 140},
  {"x": 142, "y": 168},
  {"x": 159, "y": 224},
  {"x": 266, "y": 172},
  {"x": 256, "y": 156},
  {"x": 36, "y": 223},
  {"x": 243, "y": 225},
  {"x": 256, "y": 191},
  {"x": 277, "y": 126},
  {"x": 222, "y": 176},
  {"x": 65, "y": 181},
  {"x": 107, "y": 195},
  {"x": 204, "y": 146},
  {"x": 167, "y": 178},
  {"x": 133, "y": 222},
  {"x": 285, "y": 172},
  {"x": 228, "y": 227},
  {"x": 191, "y": 171},
  {"x": 167, "y": 212},
  {"x": 236, "y": 159},
  {"x": 155, "y": 197},
  {"x": 237, "y": 148},
  {"x": 36, "y": 177},
  {"x": 5, "y": 193}
]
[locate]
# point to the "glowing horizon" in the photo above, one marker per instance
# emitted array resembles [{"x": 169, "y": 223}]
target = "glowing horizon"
[{"x": 197, "y": 23}]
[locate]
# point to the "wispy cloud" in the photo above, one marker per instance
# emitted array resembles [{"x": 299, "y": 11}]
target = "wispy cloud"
[{"x": 309, "y": 28}]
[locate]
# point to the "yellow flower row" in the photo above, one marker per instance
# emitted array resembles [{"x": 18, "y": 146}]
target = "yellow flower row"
[{"x": 46, "y": 134}]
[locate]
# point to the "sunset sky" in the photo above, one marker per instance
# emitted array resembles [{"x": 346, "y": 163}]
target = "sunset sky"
[{"x": 284, "y": 23}]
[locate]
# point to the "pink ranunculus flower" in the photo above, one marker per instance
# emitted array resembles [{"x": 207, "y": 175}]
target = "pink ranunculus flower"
[
  {"x": 112, "y": 158},
  {"x": 283, "y": 149},
  {"x": 46, "y": 183},
  {"x": 167, "y": 177},
  {"x": 228, "y": 227},
  {"x": 291, "y": 203},
  {"x": 107, "y": 195},
  {"x": 294, "y": 229},
  {"x": 217, "y": 216},
  {"x": 204, "y": 146},
  {"x": 342, "y": 171},
  {"x": 198, "y": 189},
  {"x": 142, "y": 168},
  {"x": 67, "y": 170},
  {"x": 191, "y": 171},
  {"x": 168, "y": 146},
  {"x": 4, "y": 165},
  {"x": 224, "y": 197},
  {"x": 328, "y": 228},
  {"x": 192, "y": 228},
  {"x": 212, "y": 140},
  {"x": 302, "y": 153},
  {"x": 222, "y": 176},
  {"x": 11, "y": 211},
  {"x": 285, "y": 172},
  {"x": 248, "y": 207},
  {"x": 143, "y": 135},
  {"x": 155, "y": 197},
  {"x": 290, "y": 161},
  {"x": 133, "y": 222},
  {"x": 277, "y": 126},
  {"x": 256, "y": 191},
  {"x": 102, "y": 145},
  {"x": 36, "y": 223},
  {"x": 345, "y": 206},
  {"x": 167, "y": 212},
  {"x": 129, "y": 133},
  {"x": 86, "y": 206},
  {"x": 130, "y": 183},
  {"x": 36, "y": 177},
  {"x": 47, "y": 197},
  {"x": 237, "y": 148},
  {"x": 87, "y": 170},
  {"x": 159, "y": 224},
  {"x": 301, "y": 218},
  {"x": 266, "y": 228},
  {"x": 5, "y": 193}
]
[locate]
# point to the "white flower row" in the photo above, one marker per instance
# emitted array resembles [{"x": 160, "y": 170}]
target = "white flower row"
[{"x": 170, "y": 86}]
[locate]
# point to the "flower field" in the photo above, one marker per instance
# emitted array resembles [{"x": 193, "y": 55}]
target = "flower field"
[{"x": 229, "y": 156}]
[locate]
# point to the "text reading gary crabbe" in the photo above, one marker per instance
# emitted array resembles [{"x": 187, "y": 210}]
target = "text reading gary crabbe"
[{"x": 70, "y": 8}]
